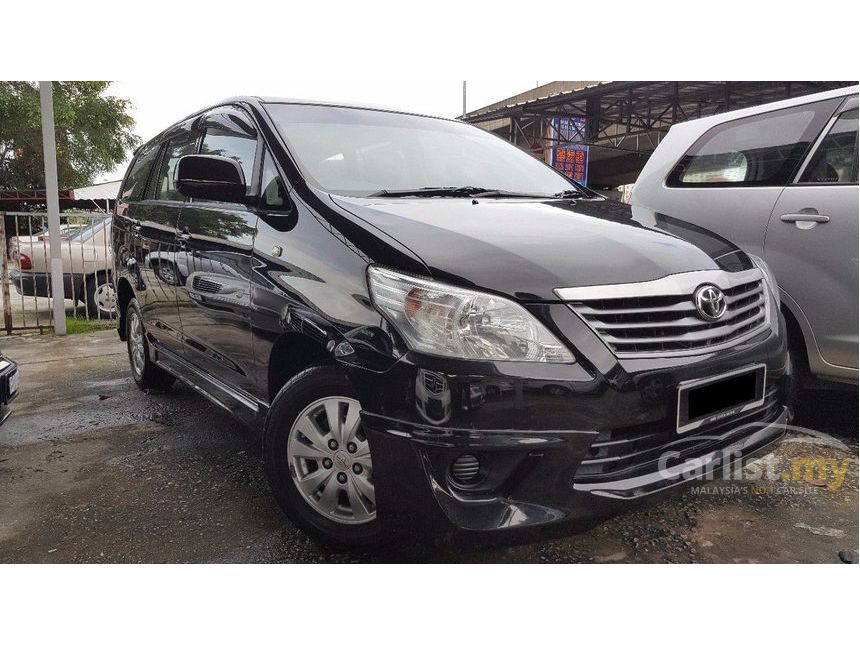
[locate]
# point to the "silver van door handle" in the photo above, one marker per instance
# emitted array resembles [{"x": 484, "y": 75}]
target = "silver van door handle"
[{"x": 805, "y": 217}]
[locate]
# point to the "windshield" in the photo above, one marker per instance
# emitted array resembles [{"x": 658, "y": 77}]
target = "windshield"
[{"x": 351, "y": 151}]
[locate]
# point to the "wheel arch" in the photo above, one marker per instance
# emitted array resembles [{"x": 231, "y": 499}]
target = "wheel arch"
[
  {"x": 797, "y": 338},
  {"x": 124, "y": 295},
  {"x": 292, "y": 353}
]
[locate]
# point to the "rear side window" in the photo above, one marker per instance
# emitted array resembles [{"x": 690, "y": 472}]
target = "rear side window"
[
  {"x": 179, "y": 146},
  {"x": 135, "y": 182},
  {"x": 835, "y": 161},
  {"x": 760, "y": 150}
]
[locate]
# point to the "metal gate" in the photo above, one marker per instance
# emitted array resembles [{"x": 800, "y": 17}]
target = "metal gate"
[{"x": 26, "y": 275}]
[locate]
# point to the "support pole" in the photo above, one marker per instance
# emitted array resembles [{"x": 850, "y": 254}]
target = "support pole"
[
  {"x": 464, "y": 98},
  {"x": 52, "y": 189}
]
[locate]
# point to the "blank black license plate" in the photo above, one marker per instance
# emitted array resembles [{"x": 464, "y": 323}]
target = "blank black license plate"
[{"x": 718, "y": 397}]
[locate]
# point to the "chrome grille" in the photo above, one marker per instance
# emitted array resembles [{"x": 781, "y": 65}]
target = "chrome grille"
[
  {"x": 207, "y": 286},
  {"x": 668, "y": 322}
]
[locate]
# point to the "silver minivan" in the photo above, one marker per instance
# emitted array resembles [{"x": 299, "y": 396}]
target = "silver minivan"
[{"x": 779, "y": 180}]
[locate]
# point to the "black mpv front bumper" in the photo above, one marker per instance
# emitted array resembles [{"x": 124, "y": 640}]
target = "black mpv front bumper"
[{"x": 554, "y": 443}]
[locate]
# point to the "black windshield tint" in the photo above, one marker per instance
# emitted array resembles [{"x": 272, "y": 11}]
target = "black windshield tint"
[{"x": 352, "y": 151}]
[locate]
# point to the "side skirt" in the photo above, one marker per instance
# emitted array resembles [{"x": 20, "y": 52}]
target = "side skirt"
[{"x": 249, "y": 410}]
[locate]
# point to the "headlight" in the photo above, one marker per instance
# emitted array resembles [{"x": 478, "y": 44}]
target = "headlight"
[
  {"x": 769, "y": 277},
  {"x": 448, "y": 321}
]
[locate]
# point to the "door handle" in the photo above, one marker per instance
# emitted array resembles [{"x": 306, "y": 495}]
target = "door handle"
[{"x": 805, "y": 217}]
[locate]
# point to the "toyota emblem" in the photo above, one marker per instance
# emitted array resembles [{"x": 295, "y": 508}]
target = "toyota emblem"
[{"x": 710, "y": 302}]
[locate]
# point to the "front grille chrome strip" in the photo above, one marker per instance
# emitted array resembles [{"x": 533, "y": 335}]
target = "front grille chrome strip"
[
  {"x": 658, "y": 317},
  {"x": 704, "y": 335},
  {"x": 675, "y": 284},
  {"x": 686, "y": 321}
]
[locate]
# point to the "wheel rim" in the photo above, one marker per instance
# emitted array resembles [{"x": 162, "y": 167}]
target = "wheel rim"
[
  {"x": 167, "y": 274},
  {"x": 105, "y": 298},
  {"x": 135, "y": 343},
  {"x": 329, "y": 459}
]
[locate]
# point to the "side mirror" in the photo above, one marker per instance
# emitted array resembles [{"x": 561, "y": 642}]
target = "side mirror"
[{"x": 211, "y": 177}]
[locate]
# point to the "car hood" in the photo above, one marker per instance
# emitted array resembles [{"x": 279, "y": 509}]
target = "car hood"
[{"x": 527, "y": 248}]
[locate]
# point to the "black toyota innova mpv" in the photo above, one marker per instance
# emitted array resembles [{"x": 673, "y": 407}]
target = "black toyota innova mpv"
[{"x": 428, "y": 324}]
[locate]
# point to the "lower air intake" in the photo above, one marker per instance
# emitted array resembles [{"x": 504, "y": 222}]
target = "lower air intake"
[{"x": 465, "y": 469}]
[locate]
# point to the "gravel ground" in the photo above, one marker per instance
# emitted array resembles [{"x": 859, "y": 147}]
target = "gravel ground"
[{"x": 93, "y": 470}]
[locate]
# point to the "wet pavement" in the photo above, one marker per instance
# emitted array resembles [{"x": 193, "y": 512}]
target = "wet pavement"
[{"x": 94, "y": 470}]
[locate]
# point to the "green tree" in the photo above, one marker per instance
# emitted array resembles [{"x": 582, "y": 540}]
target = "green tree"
[{"x": 93, "y": 132}]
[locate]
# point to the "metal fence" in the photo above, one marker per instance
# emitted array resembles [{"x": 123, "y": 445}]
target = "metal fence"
[{"x": 26, "y": 269}]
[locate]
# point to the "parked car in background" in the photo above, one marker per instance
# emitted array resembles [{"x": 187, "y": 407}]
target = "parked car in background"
[
  {"x": 16, "y": 241},
  {"x": 8, "y": 385},
  {"x": 779, "y": 180},
  {"x": 431, "y": 326},
  {"x": 174, "y": 268},
  {"x": 87, "y": 267}
]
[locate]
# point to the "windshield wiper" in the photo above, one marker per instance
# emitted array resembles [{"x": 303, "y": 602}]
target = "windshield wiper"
[
  {"x": 431, "y": 191},
  {"x": 570, "y": 194},
  {"x": 451, "y": 191},
  {"x": 508, "y": 193}
]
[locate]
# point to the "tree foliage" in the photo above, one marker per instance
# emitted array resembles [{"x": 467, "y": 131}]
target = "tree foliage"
[{"x": 93, "y": 132}]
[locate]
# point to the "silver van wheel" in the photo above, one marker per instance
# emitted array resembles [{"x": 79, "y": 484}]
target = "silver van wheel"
[{"x": 329, "y": 459}]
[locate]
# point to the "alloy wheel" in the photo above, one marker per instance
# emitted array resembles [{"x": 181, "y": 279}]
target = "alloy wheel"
[
  {"x": 135, "y": 343},
  {"x": 167, "y": 274},
  {"x": 329, "y": 459}
]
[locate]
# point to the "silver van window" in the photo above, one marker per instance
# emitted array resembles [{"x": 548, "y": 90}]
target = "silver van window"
[
  {"x": 835, "y": 160},
  {"x": 759, "y": 150}
]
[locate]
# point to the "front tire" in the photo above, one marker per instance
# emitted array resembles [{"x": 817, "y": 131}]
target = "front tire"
[
  {"x": 318, "y": 459},
  {"x": 146, "y": 374}
]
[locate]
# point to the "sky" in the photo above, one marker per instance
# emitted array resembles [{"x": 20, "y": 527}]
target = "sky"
[{"x": 158, "y": 104}]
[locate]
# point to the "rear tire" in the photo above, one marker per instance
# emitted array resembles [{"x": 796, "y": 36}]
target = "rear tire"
[
  {"x": 100, "y": 295},
  {"x": 320, "y": 471},
  {"x": 146, "y": 374}
]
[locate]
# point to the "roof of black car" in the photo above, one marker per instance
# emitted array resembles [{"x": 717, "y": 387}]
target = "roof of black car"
[
  {"x": 264, "y": 100},
  {"x": 326, "y": 103}
]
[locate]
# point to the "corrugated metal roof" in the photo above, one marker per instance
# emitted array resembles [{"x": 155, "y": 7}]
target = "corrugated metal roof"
[
  {"x": 503, "y": 105},
  {"x": 107, "y": 190}
]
